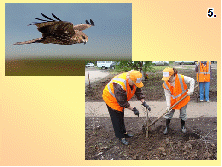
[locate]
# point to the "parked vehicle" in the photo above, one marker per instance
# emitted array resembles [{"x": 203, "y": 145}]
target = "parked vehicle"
[
  {"x": 104, "y": 64},
  {"x": 89, "y": 65},
  {"x": 184, "y": 62},
  {"x": 160, "y": 63},
  {"x": 113, "y": 65}
]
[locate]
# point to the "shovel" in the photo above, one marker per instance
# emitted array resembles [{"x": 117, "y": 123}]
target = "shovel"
[
  {"x": 149, "y": 123},
  {"x": 166, "y": 111}
]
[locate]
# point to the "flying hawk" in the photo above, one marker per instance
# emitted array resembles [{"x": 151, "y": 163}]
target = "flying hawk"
[{"x": 59, "y": 32}]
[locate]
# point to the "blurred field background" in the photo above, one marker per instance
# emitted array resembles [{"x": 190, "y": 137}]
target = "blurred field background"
[{"x": 40, "y": 66}]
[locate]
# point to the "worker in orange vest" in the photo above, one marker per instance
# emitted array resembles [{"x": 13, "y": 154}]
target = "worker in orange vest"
[
  {"x": 116, "y": 95},
  {"x": 175, "y": 87},
  {"x": 203, "y": 70}
]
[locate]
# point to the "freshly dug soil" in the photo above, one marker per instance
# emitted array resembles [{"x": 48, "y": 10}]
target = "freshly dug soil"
[{"x": 199, "y": 143}]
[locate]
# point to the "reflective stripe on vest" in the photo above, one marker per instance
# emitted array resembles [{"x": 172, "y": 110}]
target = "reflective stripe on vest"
[
  {"x": 208, "y": 69},
  {"x": 116, "y": 79},
  {"x": 182, "y": 87}
]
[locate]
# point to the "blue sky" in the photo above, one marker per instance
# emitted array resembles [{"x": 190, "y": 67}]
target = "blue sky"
[{"x": 111, "y": 35}]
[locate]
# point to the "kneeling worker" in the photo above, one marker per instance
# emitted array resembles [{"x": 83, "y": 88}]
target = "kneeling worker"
[
  {"x": 116, "y": 95},
  {"x": 175, "y": 87}
]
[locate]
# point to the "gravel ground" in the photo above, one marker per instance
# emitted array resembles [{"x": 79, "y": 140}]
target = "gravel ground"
[{"x": 92, "y": 74}]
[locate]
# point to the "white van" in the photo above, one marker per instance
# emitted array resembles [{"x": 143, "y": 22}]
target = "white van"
[{"x": 104, "y": 64}]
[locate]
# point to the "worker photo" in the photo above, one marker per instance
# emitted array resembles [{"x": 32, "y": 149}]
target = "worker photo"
[
  {"x": 116, "y": 95},
  {"x": 149, "y": 110},
  {"x": 176, "y": 91},
  {"x": 203, "y": 70}
]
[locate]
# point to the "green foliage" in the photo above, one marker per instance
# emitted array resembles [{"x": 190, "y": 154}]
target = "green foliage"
[
  {"x": 147, "y": 67},
  {"x": 160, "y": 68},
  {"x": 171, "y": 62},
  {"x": 123, "y": 66},
  {"x": 134, "y": 65},
  {"x": 142, "y": 66}
]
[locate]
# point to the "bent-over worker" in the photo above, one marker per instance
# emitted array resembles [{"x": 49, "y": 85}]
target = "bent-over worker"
[
  {"x": 116, "y": 95},
  {"x": 175, "y": 87}
]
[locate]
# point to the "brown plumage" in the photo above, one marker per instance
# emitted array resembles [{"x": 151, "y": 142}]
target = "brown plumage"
[{"x": 59, "y": 32}]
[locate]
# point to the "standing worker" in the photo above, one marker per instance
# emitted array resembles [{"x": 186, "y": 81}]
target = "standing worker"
[
  {"x": 175, "y": 87},
  {"x": 203, "y": 70},
  {"x": 116, "y": 95}
]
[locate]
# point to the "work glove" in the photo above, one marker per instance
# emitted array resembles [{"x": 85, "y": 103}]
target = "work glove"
[
  {"x": 168, "y": 109},
  {"x": 145, "y": 105},
  {"x": 136, "y": 112},
  {"x": 189, "y": 92}
]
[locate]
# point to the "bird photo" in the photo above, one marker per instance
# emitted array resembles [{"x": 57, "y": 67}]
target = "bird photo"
[
  {"x": 41, "y": 38},
  {"x": 60, "y": 32}
]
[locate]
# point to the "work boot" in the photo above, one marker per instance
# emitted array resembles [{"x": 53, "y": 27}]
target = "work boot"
[
  {"x": 128, "y": 135},
  {"x": 123, "y": 140},
  {"x": 184, "y": 130},
  {"x": 167, "y": 126}
]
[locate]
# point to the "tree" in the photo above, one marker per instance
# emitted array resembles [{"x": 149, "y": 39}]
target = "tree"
[{"x": 142, "y": 66}]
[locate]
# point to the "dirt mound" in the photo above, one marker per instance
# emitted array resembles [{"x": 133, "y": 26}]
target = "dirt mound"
[{"x": 197, "y": 144}]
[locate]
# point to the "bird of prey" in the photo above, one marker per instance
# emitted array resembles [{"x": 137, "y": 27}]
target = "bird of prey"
[{"x": 59, "y": 32}]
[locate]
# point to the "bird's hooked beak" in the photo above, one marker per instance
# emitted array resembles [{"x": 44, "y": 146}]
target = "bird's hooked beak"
[{"x": 84, "y": 41}]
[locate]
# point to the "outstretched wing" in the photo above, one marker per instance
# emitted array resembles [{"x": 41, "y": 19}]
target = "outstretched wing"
[
  {"x": 81, "y": 27},
  {"x": 61, "y": 32},
  {"x": 56, "y": 28}
]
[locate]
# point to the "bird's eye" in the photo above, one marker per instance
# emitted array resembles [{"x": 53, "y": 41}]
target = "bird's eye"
[{"x": 83, "y": 37}]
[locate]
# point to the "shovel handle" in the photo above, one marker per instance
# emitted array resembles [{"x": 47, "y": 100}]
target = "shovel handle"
[
  {"x": 178, "y": 102},
  {"x": 168, "y": 111}
]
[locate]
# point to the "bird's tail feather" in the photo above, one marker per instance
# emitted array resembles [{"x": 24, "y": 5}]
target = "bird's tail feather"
[{"x": 37, "y": 40}]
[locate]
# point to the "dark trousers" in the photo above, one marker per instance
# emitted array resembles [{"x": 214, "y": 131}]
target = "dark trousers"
[{"x": 117, "y": 119}]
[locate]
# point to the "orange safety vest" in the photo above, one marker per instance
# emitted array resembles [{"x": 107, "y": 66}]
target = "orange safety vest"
[
  {"x": 204, "y": 72},
  {"x": 178, "y": 91},
  {"x": 108, "y": 92}
]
